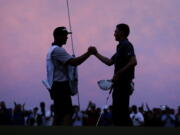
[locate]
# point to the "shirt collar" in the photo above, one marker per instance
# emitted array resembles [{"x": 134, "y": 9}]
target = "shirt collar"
[{"x": 124, "y": 40}]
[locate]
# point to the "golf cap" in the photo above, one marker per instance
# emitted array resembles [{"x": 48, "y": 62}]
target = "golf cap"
[{"x": 60, "y": 31}]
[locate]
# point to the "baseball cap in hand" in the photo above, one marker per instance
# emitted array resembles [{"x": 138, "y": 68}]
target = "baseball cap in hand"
[{"x": 105, "y": 84}]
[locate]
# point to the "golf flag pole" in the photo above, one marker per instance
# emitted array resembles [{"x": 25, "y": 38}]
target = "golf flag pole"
[{"x": 72, "y": 43}]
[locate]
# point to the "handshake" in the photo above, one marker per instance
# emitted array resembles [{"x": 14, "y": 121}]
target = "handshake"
[{"x": 92, "y": 50}]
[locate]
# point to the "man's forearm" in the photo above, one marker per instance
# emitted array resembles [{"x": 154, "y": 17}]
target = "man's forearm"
[
  {"x": 131, "y": 64},
  {"x": 124, "y": 69},
  {"x": 79, "y": 60},
  {"x": 104, "y": 59}
]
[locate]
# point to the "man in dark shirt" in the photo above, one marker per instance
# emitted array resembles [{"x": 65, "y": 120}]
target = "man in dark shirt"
[{"x": 124, "y": 61}]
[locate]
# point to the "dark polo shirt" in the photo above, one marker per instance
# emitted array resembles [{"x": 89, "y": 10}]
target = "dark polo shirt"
[{"x": 124, "y": 52}]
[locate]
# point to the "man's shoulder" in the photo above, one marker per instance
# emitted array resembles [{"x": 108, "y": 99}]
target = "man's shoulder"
[
  {"x": 139, "y": 114},
  {"x": 128, "y": 46},
  {"x": 59, "y": 50},
  {"x": 127, "y": 43}
]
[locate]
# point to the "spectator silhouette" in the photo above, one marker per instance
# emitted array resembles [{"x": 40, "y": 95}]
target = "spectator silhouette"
[
  {"x": 18, "y": 114},
  {"x": 41, "y": 118},
  {"x": 92, "y": 114},
  {"x": 77, "y": 117},
  {"x": 141, "y": 109},
  {"x": 32, "y": 117},
  {"x": 168, "y": 118},
  {"x": 106, "y": 118},
  {"x": 178, "y": 117},
  {"x": 52, "y": 110},
  {"x": 148, "y": 118},
  {"x": 5, "y": 114},
  {"x": 43, "y": 108},
  {"x": 164, "y": 116},
  {"x": 157, "y": 113}
]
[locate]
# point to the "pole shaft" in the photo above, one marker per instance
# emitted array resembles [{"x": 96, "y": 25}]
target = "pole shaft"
[
  {"x": 70, "y": 27},
  {"x": 72, "y": 43}
]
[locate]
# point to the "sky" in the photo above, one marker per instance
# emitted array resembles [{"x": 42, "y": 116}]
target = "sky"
[{"x": 26, "y": 34}]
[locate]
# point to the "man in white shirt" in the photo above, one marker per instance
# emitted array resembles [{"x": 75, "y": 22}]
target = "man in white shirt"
[
  {"x": 59, "y": 85},
  {"x": 136, "y": 117}
]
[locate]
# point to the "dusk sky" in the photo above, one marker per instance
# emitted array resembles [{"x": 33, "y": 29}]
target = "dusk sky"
[{"x": 26, "y": 28}]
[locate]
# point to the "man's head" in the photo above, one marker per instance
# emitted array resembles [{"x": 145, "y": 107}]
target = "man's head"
[
  {"x": 60, "y": 35},
  {"x": 134, "y": 108},
  {"x": 122, "y": 31}
]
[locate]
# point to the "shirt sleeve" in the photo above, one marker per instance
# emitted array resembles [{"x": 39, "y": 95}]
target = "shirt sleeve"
[
  {"x": 129, "y": 50},
  {"x": 113, "y": 58},
  {"x": 61, "y": 55}
]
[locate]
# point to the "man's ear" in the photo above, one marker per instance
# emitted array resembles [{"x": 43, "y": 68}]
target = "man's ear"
[{"x": 122, "y": 34}]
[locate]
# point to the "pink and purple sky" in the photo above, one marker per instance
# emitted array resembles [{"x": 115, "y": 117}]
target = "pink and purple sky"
[{"x": 26, "y": 34}]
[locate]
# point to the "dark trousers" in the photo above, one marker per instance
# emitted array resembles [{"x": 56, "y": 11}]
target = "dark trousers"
[
  {"x": 62, "y": 103},
  {"x": 120, "y": 106}
]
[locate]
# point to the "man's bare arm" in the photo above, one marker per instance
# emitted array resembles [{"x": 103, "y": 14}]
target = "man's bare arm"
[
  {"x": 79, "y": 60},
  {"x": 104, "y": 59}
]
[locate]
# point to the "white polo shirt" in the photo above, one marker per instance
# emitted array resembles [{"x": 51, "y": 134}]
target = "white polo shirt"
[
  {"x": 59, "y": 58},
  {"x": 57, "y": 70}
]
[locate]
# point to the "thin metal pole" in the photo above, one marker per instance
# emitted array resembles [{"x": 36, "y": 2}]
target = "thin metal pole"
[
  {"x": 72, "y": 43},
  {"x": 70, "y": 27},
  {"x": 106, "y": 105}
]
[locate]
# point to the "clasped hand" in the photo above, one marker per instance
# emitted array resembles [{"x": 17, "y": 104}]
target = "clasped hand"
[{"x": 92, "y": 50}]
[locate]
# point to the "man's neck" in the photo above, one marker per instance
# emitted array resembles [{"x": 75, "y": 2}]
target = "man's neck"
[
  {"x": 57, "y": 43},
  {"x": 120, "y": 41}
]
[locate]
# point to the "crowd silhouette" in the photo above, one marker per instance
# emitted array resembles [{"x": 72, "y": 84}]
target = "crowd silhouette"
[{"x": 141, "y": 116}]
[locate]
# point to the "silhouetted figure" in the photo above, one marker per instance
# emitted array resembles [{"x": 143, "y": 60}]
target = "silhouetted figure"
[
  {"x": 77, "y": 117},
  {"x": 157, "y": 117},
  {"x": 106, "y": 118},
  {"x": 141, "y": 109},
  {"x": 157, "y": 113},
  {"x": 92, "y": 114},
  {"x": 178, "y": 117},
  {"x": 148, "y": 118},
  {"x": 31, "y": 121},
  {"x": 43, "y": 108},
  {"x": 32, "y": 117},
  {"x": 52, "y": 110},
  {"x": 41, "y": 117},
  {"x": 124, "y": 61},
  {"x": 18, "y": 114},
  {"x": 60, "y": 89},
  {"x": 168, "y": 118},
  {"x": 5, "y": 114}
]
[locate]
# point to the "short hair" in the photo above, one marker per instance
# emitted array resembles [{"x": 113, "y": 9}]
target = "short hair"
[{"x": 125, "y": 28}]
